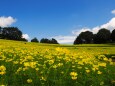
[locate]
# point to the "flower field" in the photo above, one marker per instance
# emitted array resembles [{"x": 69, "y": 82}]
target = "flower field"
[{"x": 33, "y": 64}]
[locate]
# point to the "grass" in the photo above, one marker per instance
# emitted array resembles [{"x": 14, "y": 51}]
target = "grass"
[{"x": 35, "y": 64}]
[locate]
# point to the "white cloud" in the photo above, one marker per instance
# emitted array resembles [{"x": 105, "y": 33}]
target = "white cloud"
[
  {"x": 65, "y": 39},
  {"x": 77, "y": 32},
  {"x": 70, "y": 39},
  {"x": 26, "y": 36},
  {"x": 113, "y": 11},
  {"x": 109, "y": 25},
  {"x": 6, "y": 21}
]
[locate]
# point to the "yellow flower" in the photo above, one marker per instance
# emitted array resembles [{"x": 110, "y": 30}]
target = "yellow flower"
[
  {"x": 87, "y": 71},
  {"x": 43, "y": 78},
  {"x": 37, "y": 69},
  {"x": 2, "y": 70},
  {"x": 102, "y": 64},
  {"x": 51, "y": 62},
  {"x": 2, "y": 85},
  {"x": 26, "y": 64},
  {"x": 73, "y": 75},
  {"x": 29, "y": 80},
  {"x": 99, "y": 72},
  {"x": 102, "y": 83}
]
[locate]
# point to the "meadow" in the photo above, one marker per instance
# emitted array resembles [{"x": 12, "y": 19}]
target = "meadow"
[{"x": 35, "y": 64}]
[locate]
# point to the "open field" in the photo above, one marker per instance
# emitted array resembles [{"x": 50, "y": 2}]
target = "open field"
[{"x": 33, "y": 64}]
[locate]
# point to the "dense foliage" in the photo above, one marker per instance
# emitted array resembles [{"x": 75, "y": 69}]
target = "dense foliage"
[
  {"x": 11, "y": 33},
  {"x": 34, "y": 40},
  {"x": 51, "y": 41},
  {"x": 84, "y": 37},
  {"x": 102, "y": 36},
  {"x": 113, "y": 36}
]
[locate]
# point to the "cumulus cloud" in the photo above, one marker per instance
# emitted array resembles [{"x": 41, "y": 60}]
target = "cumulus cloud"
[
  {"x": 70, "y": 39},
  {"x": 26, "y": 36},
  {"x": 6, "y": 21},
  {"x": 109, "y": 25},
  {"x": 113, "y": 11}
]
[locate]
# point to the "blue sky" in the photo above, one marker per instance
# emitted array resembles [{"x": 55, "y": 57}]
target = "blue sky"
[{"x": 61, "y": 19}]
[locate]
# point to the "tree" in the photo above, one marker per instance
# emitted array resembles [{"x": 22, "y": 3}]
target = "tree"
[
  {"x": 23, "y": 39},
  {"x": 84, "y": 37},
  {"x": 0, "y": 32},
  {"x": 54, "y": 41},
  {"x": 78, "y": 40},
  {"x": 103, "y": 36},
  {"x": 44, "y": 40},
  {"x": 34, "y": 40},
  {"x": 113, "y": 36},
  {"x": 12, "y": 33}
]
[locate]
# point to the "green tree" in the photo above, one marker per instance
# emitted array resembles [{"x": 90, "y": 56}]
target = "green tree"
[
  {"x": 103, "y": 36},
  {"x": 34, "y": 40},
  {"x": 113, "y": 36},
  {"x": 84, "y": 37},
  {"x": 44, "y": 40},
  {"x": 12, "y": 33},
  {"x": 54, "y": 41},
  {"x": 0, "y": 32},
  {"x": 23, "y": 39},
  {"x": 78, "y": 40}
]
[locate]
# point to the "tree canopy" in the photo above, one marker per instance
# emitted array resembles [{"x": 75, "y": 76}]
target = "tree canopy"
[
  {"x": 102, "y": 36},
  {"x": 11, "y": 33},
  {"x": 50, "y": 41},
  {"x": 113, "y": 36},
  {"x": 84, "y": 37},
  {"x": 34, "y": 40}
]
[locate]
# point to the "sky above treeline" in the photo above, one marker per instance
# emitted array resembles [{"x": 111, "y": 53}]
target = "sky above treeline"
[{"x": 59, "y": 19}]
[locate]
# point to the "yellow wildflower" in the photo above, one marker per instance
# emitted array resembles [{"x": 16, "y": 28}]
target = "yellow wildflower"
[
  {"x": 73, "y": 75},
  {"x": 29, "y": 80},
  {"x": 87, "y": 71},
  {"x": 99, "y": 72}
]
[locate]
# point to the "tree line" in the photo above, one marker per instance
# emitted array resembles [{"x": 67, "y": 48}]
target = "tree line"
[
  {"x": 13, "y": 33},
  {"x": 45, "y": 40},
  {"x": 103, "y": 36}
]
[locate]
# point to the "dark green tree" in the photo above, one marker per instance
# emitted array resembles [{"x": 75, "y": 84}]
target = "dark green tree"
[
  {"x": 54, "y": 41},
  {"x": 84, "y": 37},
  {"x": 11, "y": 33},
  {"x": 34, "y": 40},
  {"x": 103, "y": 36},
  {"x": 44, "y": 40},
  {"x": 23, "y": 39},
  {"x": 0, "y": 32},
  {"x": 113, "y": 36},
  {"x": 78, "y": 40}
]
